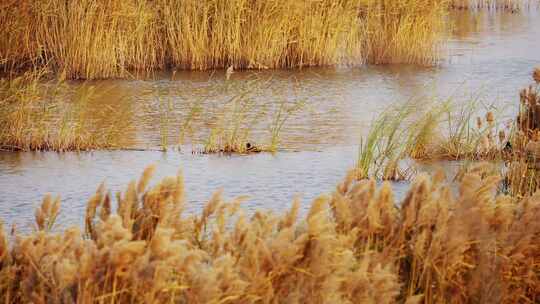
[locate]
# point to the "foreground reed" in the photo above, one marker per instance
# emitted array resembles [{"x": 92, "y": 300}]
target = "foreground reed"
[
  {"x": 96, "y": 39},
  {"x": 355, "y": 246}
]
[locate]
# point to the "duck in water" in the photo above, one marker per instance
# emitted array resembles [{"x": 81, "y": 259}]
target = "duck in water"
[{"x": 250, "y": 148}]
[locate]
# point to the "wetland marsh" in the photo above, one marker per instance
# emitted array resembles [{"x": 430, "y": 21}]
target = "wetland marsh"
[{"x": 262, "y": 196}]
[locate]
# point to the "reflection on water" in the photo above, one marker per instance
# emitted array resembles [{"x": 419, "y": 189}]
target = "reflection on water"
[
  {"x": 493, "y": 53},
  {"x": 475, "y": 25}
]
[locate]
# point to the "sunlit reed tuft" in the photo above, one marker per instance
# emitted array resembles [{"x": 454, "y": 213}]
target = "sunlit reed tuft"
[
  {"x": 95, "y": 39},
  {"x": 39, "y": 113},
  {"x": 355, "y": 245}
]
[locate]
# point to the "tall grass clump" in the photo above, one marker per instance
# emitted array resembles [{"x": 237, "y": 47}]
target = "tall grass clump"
[
  {"x": 37, "y": 113},
  {"x": 355, "y": 245},
  {"x": 523, "y": 172},
  {"x": 96, "y": 39},
  {"x": 383, "y": 148},
  {"x": 428, "y": 129}
]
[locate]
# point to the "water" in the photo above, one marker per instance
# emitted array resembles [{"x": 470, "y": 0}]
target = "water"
[{"x": 491, "y": 55}]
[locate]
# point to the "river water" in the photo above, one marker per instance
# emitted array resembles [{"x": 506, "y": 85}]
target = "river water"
[{"x": 489, "y": 56}]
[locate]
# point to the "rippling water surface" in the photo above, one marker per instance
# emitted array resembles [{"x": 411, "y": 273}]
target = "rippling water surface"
[{"x": 489, "y": 55}]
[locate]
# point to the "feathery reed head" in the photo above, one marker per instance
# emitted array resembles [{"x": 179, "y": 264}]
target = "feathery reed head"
[
  {"x": 354, "y": 245},
  {"x": 536, "y": 75}
]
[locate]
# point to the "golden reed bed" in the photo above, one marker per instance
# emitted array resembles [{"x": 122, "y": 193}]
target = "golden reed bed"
[
  {"x": 103, "y": 39},
  {"x": 353, "y": 246}
]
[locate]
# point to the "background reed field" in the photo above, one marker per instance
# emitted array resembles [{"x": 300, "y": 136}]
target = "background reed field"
[{"x": 104, "y": 39}]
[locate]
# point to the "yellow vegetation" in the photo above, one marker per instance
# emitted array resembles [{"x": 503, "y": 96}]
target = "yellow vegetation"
[
  {"x": 355, "y": 246},
  {"x": 49, "y": 115},
  {"x": 396, "y": 31},
  {"x": 103, "y": 39}
]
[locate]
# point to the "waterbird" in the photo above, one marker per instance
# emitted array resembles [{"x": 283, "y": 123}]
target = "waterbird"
[
  {"x": 229, "y": 72},
  {"x": 252, "y": 148}
]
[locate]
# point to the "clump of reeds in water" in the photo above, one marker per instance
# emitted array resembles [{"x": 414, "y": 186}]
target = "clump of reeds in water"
[
  {"x": 382, "y": 150},
  {"x": 355, "y": 245},
  {"x": 442, "y": 132},
  {"x": 232, "y": 131},
  {"x": 96, "y": 39},
  {"x": 39, "y": 113},
  {"x": 522, "y": 177},
  {"x": 422, "y": 130},
  {"x": 233, "y": 126}
]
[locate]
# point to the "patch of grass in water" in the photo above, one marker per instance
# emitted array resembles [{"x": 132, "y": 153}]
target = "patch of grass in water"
[
  {"x": 425, "y": 129},
  {"x": 233, "y": 127},
  {"x": 38, "y": 114}
]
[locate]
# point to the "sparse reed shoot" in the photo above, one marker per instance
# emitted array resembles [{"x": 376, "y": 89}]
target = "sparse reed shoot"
[{"x": 233, "y": 128}]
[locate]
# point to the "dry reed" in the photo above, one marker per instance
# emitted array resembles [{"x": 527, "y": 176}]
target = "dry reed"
[
  {"x": 522, "y": 176},
  {"x": 38, "y": 114},
  {"x": 355, "y": 246},
  {"x": 96, "y": 39},
  {"x": 402, "y": 31}
]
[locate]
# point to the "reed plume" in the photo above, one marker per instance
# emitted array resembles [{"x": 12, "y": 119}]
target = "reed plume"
[{"x": 356, "y": 244}]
